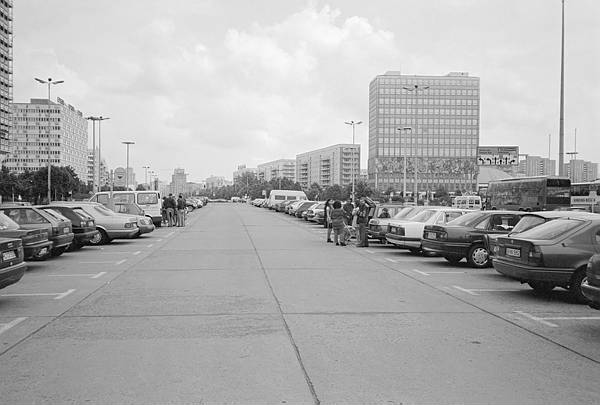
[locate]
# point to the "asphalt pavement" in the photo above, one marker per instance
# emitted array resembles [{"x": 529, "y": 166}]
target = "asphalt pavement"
[{"x": 245, "y": 305}]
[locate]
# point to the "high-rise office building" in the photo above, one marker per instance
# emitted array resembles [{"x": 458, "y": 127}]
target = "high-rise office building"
[
  {"x": 6, "y": 67},
  {"x": 328, "y": 166},
  {"x": 36, "y": 122},
  {"x": 433, "y": 121},
  {"x": 579, "y": 170},
  {"x": 277, "y": 169},
  {"x": 537, "y": 166},
  {"x": 179, "y": 182}
]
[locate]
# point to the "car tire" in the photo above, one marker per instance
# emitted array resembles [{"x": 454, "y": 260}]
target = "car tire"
[
  {"x": 575, "y": 286},
  {"x": 541, "y": 287},
  {"x": 58, "y": 251},
  {"x": 41, "y": 258},
  {"x": 100, "y": 239},
  {"x": 478, "y": 257},
  {"x": 453, "y": 259}
]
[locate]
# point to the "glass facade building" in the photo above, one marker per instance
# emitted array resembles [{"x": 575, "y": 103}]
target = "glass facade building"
[{"x": 433, "y": 121}]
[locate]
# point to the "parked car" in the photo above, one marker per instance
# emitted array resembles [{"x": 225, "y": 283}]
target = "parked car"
[
  {"x": 311, "y": 213},
  {"x": 35, "y": 243},
  {"x": 591, "y": 286},
  {"x": 109, "y": 224},
  {"x": 59, "y": 230},
  {"x": 464, "y": 237},
  {"x": 379, "y": 225},
  {"x": 409, "y": 234},
  {"x": 303, "y": 207},
  {"x": 12, "y": 265},
  {"x": 84, "y": 226},
  {"x": 554, "y": 254}
]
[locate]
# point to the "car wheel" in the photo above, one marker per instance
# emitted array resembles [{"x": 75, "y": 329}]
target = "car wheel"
[
  {"x": 541, "y": 287},
  {"x": 478, "y": 257},
  {"x": 579, "y": 277},
  {"x": 453, "y": 259},
  {"x": 58, "y": 251},
  {"x": 101, "y": 238}
]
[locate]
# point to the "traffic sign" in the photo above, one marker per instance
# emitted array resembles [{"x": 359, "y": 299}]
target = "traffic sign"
[
  {"x": 498, "y": 156},
  {"x": 120, "y": 174}
]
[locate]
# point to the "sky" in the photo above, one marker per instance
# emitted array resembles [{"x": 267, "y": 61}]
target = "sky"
[{"x": 207, "y": 85}]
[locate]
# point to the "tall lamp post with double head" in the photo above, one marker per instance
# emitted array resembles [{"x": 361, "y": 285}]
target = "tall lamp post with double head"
[
  {"x": 354, "y": 124},
  {"x": 404, "y": 130},
  {"x": 416, "y": 89},
  {"x": 50, "y": 83},
  {"x": 100, "y": 119},
  {"x": 127, "y": 143},
  {"x": 93, "y": 119}
]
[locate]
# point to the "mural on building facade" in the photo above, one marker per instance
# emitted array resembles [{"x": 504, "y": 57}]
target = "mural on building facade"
[{"x": 443, "y": 167}]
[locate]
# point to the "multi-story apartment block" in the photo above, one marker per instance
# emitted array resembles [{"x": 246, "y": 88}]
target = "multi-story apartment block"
[
  {"x": 282, "y": 168},
  {"x": 579, "y": 170},
  {"x": 6, "y": 67},
  {"x": 433, "y": 121},
  {"x": 102, "y": 168},
  {"x": 40, "y": 130},
  {"x": 537, "y": 166},
  {"x": 336, "y": 164}
]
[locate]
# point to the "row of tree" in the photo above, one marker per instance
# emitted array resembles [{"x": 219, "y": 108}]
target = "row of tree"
[{"x": 32, "y": 185}]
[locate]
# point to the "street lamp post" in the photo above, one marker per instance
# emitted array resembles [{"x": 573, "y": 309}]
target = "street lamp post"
[
  {"x": 404, "y": 130},
  {"x": 100, "y": 119},
  {"x": 561, "y": 126},
  {"x": 49, "y": 82},
  {"x": 354, "y": 124},
  {"x": 416, "y": 89},
  {"x": 93, "y": 119},
  {"x": 127, "y": 166}
]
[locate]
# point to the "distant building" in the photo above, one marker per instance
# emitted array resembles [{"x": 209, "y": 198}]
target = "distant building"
[
  {"x": 433, "y": 121},
  {"x": 29, "y": 137},
  {"x": 282, "y": 168},
  {"x": 214, "y": 182},
  {"x": 580, "y": 171},
  {"x": 334, "y": 164},
  {"x": 241, "y": 170},
  {"x": 104, "y": 175},
  {"x": 179, "y": 182},
  {"x": 6, "y": 75},
  {"x": 537, "y": 166}
]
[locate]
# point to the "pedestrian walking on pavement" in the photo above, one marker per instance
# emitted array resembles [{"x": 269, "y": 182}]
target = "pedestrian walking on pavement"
[
  {"x": 364, "y": 208},
  {"x": 327, "y": 219},
  {"x": 338, "y": 224},
  {"x": 180, "y": 211}
]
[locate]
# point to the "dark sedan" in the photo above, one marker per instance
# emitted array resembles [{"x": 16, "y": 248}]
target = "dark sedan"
[
  {"x": 35, "y": 243},
  {"x": 12, "y": 266},
  {"x": 591, "y": 287},
  {"x": 59, "y": 231},
  {"x": 464, "y": 237},
  {"x": 84, "y": 227},
  {"x": 554, "y": 254}
]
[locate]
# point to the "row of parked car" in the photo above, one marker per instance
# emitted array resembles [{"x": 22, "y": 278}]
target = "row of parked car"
[
  {"x": 545, "y": 249},
  {"x": 36, "y": 233}
]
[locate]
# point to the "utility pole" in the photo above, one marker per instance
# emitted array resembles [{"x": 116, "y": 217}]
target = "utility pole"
[{"x": 561, "y": 128}]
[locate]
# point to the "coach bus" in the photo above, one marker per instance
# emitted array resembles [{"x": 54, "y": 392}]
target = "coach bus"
[
  {"x": 585, "y": 195},
  {"x": 529, "y": 193}
]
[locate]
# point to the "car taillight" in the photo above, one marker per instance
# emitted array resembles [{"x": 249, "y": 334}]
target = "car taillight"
[
  {"x": 129, "y": 224},
  {"x": 91, "y": 223},
  {"x": 55, "y": 230},
  {"x": 83, "y": 224},
  {"x": 443, "y": 235},
  {"x": 535, "y": 256}
]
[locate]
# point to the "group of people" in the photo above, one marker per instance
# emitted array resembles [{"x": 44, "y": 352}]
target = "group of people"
[
  {"x": 173, "y": 210},
  {"x": 339, "y": 219}
]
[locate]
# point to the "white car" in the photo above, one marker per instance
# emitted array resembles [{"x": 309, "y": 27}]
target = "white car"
[{"x": 409, "y": 234}]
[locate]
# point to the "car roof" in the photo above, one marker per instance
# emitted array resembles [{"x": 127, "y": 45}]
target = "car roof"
[{"x": 562, "y": 214}]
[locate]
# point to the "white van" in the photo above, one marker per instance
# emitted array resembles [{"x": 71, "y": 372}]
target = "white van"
[
  {"x": 277, "y": 196},
  {"x": 148, "y": 200},
  {"x": 469, "y": 202}
]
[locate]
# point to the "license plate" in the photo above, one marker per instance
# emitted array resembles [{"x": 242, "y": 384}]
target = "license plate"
[
  {"x": 513, "y": 252},
  {"x": 9, "y": 255},
  {"x": 431, "y": 235}
]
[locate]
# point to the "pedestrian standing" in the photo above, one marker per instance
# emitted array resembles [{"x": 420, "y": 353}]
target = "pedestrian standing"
[
  {"x": 163, "y": 211},
  {"x": 180, "y": 211},
  {"x": 364, "y": 208},
  {"x": 338, "y": 224},
  {"x": 170, "y": 210},
  {"x": 348, "y": 207},
  {"x": 327, "y": 219}
]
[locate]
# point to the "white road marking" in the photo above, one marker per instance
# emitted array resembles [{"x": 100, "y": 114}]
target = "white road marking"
[
  {"x": 446, "y": 272},
  {"x": 496, "y": 289},
  {"x": 58, "y": 295},
  {"x": 96, "y": 262},
  {"x": 169, "y": 234},
  {"x": 150, "y": 245},
  {"x": 369, "y": 251},
  {"x": 120, "y": 262},
  {"x": 576, "y": 318},
  {"x": 535, "y": 318},
  {"x": 420, "y": 272},
  {"x": 391, "y": 260},
  {"x": 90, "y": 275},
  {"x": 99, "y": 274},
  {"x": 136, "y": 253},
  {"x": 464, "y": 290},
  {"x": 6, "y": 326}
]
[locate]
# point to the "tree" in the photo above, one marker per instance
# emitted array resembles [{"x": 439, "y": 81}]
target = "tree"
[
  {"x": 140, "y": 187},
  {"x": 362, "y": 189},
  {"x": 314, "y": 192},
  {"x": 334, "y": 192}
]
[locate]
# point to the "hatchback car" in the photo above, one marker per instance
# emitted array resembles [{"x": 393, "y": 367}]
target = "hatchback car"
[
  {"x": 35, "y": 243},
  {"x": 591, "y": 286},
  {"x": 379, "y": 225},
  {"x": 84, "y": 226},
  {"x": 464, "y": 237},
  {"x": 12, "y": 265},
  {"x": 554, "y": 254},
  {"x": 59, "y": 230}
]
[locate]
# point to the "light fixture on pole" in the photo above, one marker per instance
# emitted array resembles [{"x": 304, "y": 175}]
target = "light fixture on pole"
[
  {"x": 352, "y": 170},
  {"x": 127, "y": 166},
  {"x": 49, "y": 82},
  {"x": 404, "y": 130},
  {"x": 416, "y": 89},
  {"x": 100, "y": 119},
  {"x": 561, "y": 123},
  {"x": 93, "y": 119}
]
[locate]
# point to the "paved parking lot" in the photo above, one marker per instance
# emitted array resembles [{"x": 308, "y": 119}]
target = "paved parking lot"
[{"x": 248, "y": 305}]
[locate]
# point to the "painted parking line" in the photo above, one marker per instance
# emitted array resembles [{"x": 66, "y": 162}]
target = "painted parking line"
[
  {"x": 429, "y": 273},
  {"x": 150, "y": 245},
  {"x": 169, "y": 234},
  {"x": 537, "y": 319},
  {"x": 6, "y": 326},
  {"x": 136, "y": 253},
  {"x": 120, "y": 262},
  {"x": 476, "y": 291},
  {"x": 90, "y": 275},
  {"x": 369, "y": 251},
  {"x": 57, "y": 296}
]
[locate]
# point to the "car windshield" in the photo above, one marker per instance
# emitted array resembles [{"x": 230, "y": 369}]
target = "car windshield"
[
  {"x": 468, "y": 219},
  {"x": 82, "y": 213},
  {"x": 7, "y": 224},
  {"x": 552, "y": 229},
  {"x": 527, "y": 222},
  {"x": 320, "y": 206},
  {"x": 105, "y": 211},
  {"x": 56, "y": 214},
  {"x": 403, "y": 213},
  {"x": 423, "y": 216}
]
